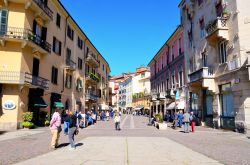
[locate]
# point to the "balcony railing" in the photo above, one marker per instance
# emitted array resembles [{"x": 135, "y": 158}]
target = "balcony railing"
[
  {"x": 205, "y": 72},
  {"x": 13, "y": 77},
  {"x": 70, "y": 64},
  {"x": 92, "y": 60},
  {"x": 24, "y": 34},
  {"x": 92, "y": 76},
  {"x": 45, "y": 8},
  {"x": 161, "y": 95},
  {"x": 36, "y": 81},
  {"x": 91, "y": 96},
  {"x": 214, "y": 26}
]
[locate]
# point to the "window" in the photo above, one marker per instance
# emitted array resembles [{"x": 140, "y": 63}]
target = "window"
[
  {"x": 167, "y": 54},
  {"x": 179, "y": 44},
  {"x": 209, "y": 103},
  {"x": 103, "y": 67},
  {"x": 167, "y": 83},
  {"x": 70, "y": 33},
  {"x": 54, "y": 75},
  {"x": 173, "y": 81},
  {"x": 142, "y": 75},
  {"x": 204, "y": 58},
  {"x": 180, "y": 78},
  {"x": 57, "y": 45},
  {"x": 58, "y": 20},
  {"x": 79, "y": 63},
  {"x": 68, "y": 56},
  {"x": 68, "y": 83},
  {"x": 202, "y": 27},
  {"x": 79, "y": 43},
  {"x": 222, "y": 52},
  {"x": 3, "y": 21},
  {"x": 172, "y": 53},
  {"x": 79, "y": 85}
]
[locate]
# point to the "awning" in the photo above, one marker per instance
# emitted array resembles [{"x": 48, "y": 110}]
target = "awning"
[
  {"x": 58, "y": 105},
  {"x": 171, "y": 106},
  {"x": 38, "y": 102},
  {"x": 139, "y": 107},
  {"x": 181, "y": 105}
]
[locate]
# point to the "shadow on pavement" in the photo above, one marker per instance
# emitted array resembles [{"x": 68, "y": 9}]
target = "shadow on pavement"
[
  {"x": 2, "y": 132},
  {"x": 62, "y": 145},
  {"x": 79, "y": 144}
]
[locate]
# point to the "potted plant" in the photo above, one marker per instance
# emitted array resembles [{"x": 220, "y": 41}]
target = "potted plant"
[
  {"x": 160, "y": 124},
  {"x": 46, "y": 123},
  {"x": 27, "y": 117}
]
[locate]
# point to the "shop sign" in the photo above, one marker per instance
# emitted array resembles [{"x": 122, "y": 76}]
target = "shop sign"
[{"x": 9, "y": 105}]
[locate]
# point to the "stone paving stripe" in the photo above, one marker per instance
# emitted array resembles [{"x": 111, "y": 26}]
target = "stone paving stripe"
[
  {"x": 137, "y": 151},
  {"x": 18, "y": 134}
]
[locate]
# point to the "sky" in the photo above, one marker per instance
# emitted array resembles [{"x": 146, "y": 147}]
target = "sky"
[{"x": 128, "y": 33}]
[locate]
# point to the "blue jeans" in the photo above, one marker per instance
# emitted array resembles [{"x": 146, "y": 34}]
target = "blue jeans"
[{"x": 66, "y": 127}]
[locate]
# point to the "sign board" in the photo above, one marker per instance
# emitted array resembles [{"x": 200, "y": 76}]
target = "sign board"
[{"x": 9, "y": 105}]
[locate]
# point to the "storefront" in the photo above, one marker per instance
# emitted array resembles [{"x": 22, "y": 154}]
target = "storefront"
[{"x": 55, "y": 102}]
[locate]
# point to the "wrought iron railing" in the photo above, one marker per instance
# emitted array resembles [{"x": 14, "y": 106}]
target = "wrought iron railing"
[
  {"x": 45, "y": 8},
  {"x": 71, "y": 64},
  {"x": 24, "y": 34},
  {"x": 91, "y": 57},
  {"x": 92, "y": 76},
  {"x": 36, "y": 81},
  {"x": 205, "y": 72},
  {"x": 218, "y": 23},
  {"x": 15, "y": 77}
]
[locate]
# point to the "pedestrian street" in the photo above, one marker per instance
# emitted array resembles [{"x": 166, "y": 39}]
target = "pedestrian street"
[{"x": 140, "y": 144}]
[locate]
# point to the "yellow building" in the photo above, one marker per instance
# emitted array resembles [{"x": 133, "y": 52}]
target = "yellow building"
[{"x": 42, "y": 61}]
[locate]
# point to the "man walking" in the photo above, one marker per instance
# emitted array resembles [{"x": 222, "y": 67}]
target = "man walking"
[{"x": 186, "y": 120}]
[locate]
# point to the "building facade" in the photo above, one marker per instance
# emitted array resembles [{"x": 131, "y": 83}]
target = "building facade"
[
  {"x": 216, "y": 55},
  {"x": 167, "y": 70},
  {"x": 42, "y": 66}
]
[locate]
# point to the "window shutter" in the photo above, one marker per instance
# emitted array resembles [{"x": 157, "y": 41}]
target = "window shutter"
[
  {"x": 44, "y": 34},
  {"x": 52, "y": 75},
  {"x": 56, "y": 74}
]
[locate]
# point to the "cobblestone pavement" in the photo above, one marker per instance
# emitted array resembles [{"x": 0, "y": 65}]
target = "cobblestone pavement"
[{"x": 224, "y": 146}]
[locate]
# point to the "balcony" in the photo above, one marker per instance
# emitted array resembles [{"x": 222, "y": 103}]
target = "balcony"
[
  {"x": 91, "y": 97},
  {"x": 217, "y": 30},
  {"x": 26, "y": 37},
  {"x": 70, "y": 65},
  {"x": 200, "y": 74},
  {"x": 40, "y": 8},
  {"x": 161, "y": 95},
  {"x": 92, "y": 78},
  {"x": 91, "y": 60},
  {"x": 36, "y": 81},
  {"x": 154, "y": 96},
  {"x": 13, "y": 77}
]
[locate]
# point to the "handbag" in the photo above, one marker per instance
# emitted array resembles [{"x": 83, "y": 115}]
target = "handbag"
[
  {"x": 76, "y": 131},
  {"x": 59, "y": 129}
]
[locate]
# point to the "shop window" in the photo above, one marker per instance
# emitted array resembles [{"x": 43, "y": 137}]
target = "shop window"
[{"x": 226, "y": 100}]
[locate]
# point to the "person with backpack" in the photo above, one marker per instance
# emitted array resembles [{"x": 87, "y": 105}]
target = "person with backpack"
[{"x": 73, "y": 128}]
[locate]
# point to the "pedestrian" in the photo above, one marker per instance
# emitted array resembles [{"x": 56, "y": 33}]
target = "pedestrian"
[
  {"x": 117, "y": 120},
  {"x": 73, "y": 129},
  {"x": 186, "y": 121},
  {"x": 180, "y": 118},
  {"x": 65, "y": 123},
  {"x": 167, "y": 117},
  {"x": 103, "y": 116},
  {"x": 107, "y": 115},
  {"x": 82, "y": 120},
  {"x": 55, "y": 128},
  {"x": 192, "y": 120},
  {"x": 175, "y": 120}
]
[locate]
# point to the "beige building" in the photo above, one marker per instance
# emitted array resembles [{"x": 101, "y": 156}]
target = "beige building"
[
  {"x": 217, "y": 38},
  {"x": 42, "y": 61}
]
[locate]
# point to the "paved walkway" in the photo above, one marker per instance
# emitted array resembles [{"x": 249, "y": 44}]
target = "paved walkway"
[
  {"x": 124, "y": 151},
  {"x": 136, "y": 143}
]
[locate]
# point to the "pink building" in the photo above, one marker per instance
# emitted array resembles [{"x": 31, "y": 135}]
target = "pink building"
[{"x": 167, "y": 76}]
